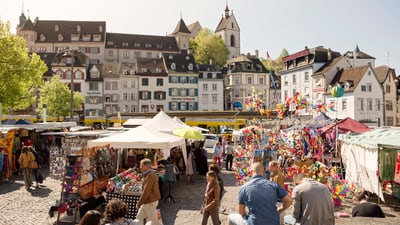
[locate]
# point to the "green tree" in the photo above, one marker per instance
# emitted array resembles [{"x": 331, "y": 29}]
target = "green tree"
[
  {"x": 20, "y": 72},
  {"x": 207, "y": 46},
  {"x": 275, "y": 64},
  {"x": 57, "y": 97}
]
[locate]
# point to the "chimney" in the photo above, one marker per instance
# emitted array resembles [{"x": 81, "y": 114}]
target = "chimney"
[
  {"x": 256, "y": 53},
  {"x": 329, "y": 54}
]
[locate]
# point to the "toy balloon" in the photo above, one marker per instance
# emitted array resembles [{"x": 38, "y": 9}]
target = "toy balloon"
[{"x": 337, "y": 91}]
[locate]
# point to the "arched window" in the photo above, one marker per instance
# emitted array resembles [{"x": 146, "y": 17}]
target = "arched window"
[{"x": 232, "y": 40}]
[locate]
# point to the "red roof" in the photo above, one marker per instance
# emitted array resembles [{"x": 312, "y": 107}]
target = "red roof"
[{"x": 347, "y": 124}]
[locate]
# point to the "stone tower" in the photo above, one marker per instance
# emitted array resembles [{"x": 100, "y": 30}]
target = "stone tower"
[{"x": 228, "y": 29}]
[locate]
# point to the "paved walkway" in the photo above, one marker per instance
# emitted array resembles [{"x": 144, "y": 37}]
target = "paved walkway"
[{"x": 19, "y": 207}]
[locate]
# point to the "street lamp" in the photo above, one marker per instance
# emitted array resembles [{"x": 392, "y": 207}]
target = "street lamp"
[{"x": 72, "y": 54}]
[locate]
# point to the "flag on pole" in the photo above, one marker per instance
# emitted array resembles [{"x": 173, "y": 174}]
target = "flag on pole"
[
  {"x": 268, "y": 56},
  {"x": 271, "y": 77}
]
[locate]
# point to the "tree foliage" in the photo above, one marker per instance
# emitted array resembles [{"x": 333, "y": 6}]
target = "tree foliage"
[
  {"x": 20, "y": 72},
  {"x": 57, "y": 97},
  {"x": 275, "y": 64},
  {"x": 207, "y": 46}
]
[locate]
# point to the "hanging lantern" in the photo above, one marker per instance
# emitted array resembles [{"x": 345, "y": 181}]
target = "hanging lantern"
[{"x": 337, "y": 91}]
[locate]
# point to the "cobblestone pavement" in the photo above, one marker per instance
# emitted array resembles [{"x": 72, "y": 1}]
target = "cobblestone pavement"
[{"x": 19, "y": 207}]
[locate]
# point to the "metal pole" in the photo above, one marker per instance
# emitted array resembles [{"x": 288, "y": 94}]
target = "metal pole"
[
  {"x": 44, "y": 113},
  {"x": 1, "y": 112},
  {"x": 72, "y": 85}
]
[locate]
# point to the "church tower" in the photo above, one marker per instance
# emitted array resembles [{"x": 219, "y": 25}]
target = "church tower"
[
  {"x": 228, "y": 29},
  {"x": 182, "y": 35}
]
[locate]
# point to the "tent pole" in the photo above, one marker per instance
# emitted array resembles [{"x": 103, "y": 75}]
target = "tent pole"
[
  {"x": 118, "y": 159},
  {"x": 378, "y": 174}
]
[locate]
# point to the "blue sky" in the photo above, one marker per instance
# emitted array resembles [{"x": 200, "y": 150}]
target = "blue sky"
[{"x": 266, "y": 25}]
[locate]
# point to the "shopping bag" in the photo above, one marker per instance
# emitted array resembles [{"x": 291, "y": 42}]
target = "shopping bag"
[{"x": 33, "y": 164}]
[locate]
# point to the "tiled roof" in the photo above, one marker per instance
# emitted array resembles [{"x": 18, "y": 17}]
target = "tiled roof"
[
  {"x": 141, "y": 42},
  {"x": 181, "y": 60},
  {"x": 245, "y": 63},
  {"x": 328, "y": 66},
  {"x": 53, "y": 30},
  {"x": 223, "y": 23},
  {"x": 181, "y": 27},
  {"x": 381, "y": 73},
  {"x": 150, "y": 67},
  {"x": 193, "y": 25},
  {"x": 28, "y": 25},
  {"x": 99, "y": 67},
  {"x": 353, "y": 75},
  {"x": 48, "y": 59},
  {"x": 360, "y": 55}
]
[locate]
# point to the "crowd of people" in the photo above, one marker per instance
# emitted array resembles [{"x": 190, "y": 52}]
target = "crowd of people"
[{"x": 263, "y": 199}]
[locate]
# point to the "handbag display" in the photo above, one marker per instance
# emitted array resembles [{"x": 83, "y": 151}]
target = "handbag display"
[{"x": 33, "y": 164}]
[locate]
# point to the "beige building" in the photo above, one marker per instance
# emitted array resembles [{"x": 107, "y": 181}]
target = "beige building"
[{"x": 245, "y": 76}]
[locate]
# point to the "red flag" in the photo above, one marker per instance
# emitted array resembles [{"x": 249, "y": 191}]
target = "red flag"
[{"x": 268, "y": 57}]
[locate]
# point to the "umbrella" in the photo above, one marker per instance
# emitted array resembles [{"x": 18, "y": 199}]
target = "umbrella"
[{"x": 188, "y": 133}]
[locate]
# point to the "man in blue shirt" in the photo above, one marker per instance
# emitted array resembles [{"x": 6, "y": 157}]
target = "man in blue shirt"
[{"x": 259, "y": 195}]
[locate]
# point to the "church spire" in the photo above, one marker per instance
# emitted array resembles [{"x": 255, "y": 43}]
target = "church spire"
[
  {"x": 22, "y": 17},
  {"x": 226, "y": 10}
]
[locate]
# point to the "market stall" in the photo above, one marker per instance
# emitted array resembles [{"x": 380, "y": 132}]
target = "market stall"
[
  {"x": 125, "y": 185},
  {"x": 7, "y": 158},
  {"x": 142, "y": 137},
  {"x": 370, "y": 158}
]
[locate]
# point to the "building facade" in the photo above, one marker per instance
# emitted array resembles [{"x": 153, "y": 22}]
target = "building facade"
[
  {"x": 244, "y": 76},
  {"x": 211, "y": 88}
]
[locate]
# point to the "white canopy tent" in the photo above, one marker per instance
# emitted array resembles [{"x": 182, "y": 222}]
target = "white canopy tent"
[
  {"x": 360, "y": 156},
  {"x": 162, "y": 122},
  {"x": 135, "y": 122},
  {"x": 142, "y": 137},
  {"x": 176, "y": 119}
]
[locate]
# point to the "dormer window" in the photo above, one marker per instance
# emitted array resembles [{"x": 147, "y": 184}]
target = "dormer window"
[
  {"x": 74, "y": 37},
  {"x": 56, "y": 28},
  {"x": 42, "y": 37},
  {"x": 96, "y": 37},
  {"x": 170, "y": 57},
  {"x": 86, "y": 37},
  {"x": 187, "y": 57},
  {"x": 60, "y": 37},
  {"x": 110, "y": 43},
  {"x": 329, "y": 87},
  {"x": 78, "y": 28},
  {"x": 173, "y": 66},
  {"x": 346, "y": 85},
  {"x": 137, "y": 45},
  {"x": 100, "y": 28},
  {"x": 125, "y": 44},
  {"x": 190, "y": 66},
  {"x": 147, "y": 45}
]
